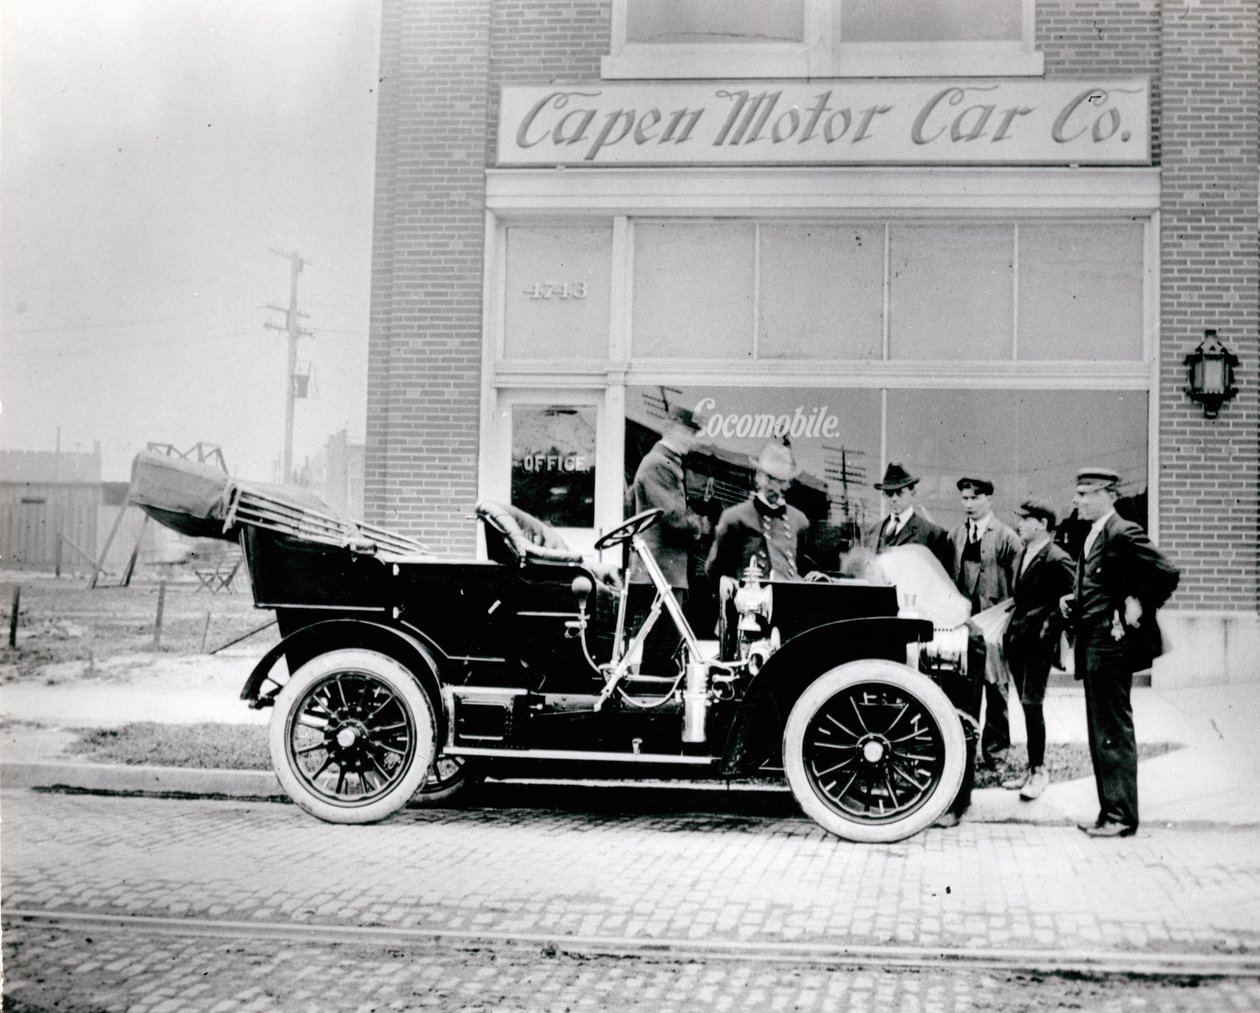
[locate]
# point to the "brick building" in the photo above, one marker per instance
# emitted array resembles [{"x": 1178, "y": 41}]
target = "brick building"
[{"x": 970, "y": 238}]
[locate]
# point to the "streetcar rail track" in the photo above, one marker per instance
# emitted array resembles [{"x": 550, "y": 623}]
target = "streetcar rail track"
[{"x": 1161, "y": 965}]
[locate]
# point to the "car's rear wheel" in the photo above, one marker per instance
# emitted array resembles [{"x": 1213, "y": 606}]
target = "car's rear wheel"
[
  {"x": 873, "y": 751},
  {"x": 449, "y": 777},
  {"x": 352, "y": 736}
]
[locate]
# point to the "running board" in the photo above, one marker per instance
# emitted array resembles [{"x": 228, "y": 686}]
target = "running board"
[{"x": 575, "y": 754}]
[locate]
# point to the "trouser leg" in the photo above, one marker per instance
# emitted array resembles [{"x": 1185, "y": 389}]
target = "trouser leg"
[
  {"x": 966, "y": 695},
  {"x": 1035, "y": 720},
  {"x": 1112, "y": 740},
  {"x": 997, "y": 722}
]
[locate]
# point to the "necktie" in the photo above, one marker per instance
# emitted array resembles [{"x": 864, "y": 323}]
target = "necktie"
[{"x": 973, "y": 531}]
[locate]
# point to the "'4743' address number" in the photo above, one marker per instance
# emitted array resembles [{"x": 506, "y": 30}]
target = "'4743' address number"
[{"x": 556, "y": 290}]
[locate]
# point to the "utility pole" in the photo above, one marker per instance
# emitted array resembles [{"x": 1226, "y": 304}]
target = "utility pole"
[{"x": 294, "y": 330}]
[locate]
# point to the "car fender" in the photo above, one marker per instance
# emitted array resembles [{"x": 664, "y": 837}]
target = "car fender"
[
  {"x": 758, "y": 724},
  {"x": 410, "y": 648}
]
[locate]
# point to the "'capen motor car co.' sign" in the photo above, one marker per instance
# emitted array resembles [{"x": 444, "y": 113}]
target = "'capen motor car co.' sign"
[{"x": 1002, "y": 122}]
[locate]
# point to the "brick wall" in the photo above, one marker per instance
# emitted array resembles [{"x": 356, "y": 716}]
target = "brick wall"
[
  {"x": 424, "y": 348},
  {"x": 1210, "y": 278}
]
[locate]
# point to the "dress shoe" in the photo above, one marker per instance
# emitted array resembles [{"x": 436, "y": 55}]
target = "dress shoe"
[
  {"x": 1111, "y": 829},
  {"x": 948, "y": 820},
  {"x": 1037, "y": 782},
  {"x": 1015, "y": 783}
]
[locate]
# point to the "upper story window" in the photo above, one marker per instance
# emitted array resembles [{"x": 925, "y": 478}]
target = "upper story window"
[{"x": 676, "y": 39}]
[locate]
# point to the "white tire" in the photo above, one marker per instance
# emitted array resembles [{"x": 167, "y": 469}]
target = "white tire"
[
  {"x": 874, "y": 751},
  {"x": 352, "y": 736}
]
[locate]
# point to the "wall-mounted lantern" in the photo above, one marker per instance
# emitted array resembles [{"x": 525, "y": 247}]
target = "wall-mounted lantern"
[{"x": 1210, "y": 374}]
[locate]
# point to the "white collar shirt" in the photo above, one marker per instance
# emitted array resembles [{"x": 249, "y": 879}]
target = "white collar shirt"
[{"x": 1094, "y": 531}]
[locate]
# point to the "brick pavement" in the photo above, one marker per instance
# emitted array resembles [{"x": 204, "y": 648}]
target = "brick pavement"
[{"x": 710, "y": 877}]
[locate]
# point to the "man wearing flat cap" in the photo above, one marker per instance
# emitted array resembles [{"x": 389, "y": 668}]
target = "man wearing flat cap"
[
  {"x": 1043, "y": 575},
  {"x": 764, "y": 528},
  {"x": 983, "y": 552},
  {"x": 1121, "y": 579},
  {"x": 660, "y": 482},
  {"x": 905, "y": 525}
]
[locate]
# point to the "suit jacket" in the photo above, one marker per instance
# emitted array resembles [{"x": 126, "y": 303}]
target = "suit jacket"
[
  {"x": 1124, "y": 563},
  {"x": 918, "y": 530},
  {"x": 1000, "y": 549},
  {"x": 1035, "y": 622},
  {"x": 660, "y": 482}
]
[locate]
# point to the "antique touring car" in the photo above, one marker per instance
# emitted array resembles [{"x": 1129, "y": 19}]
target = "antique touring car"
[{"x": 401, "y": 675}]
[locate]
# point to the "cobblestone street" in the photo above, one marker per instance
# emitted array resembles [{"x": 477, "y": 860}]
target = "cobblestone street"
[{"x": 544, "y": 888}]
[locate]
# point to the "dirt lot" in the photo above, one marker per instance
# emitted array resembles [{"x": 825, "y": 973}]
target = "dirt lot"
[{"x": 62, "y": 620}]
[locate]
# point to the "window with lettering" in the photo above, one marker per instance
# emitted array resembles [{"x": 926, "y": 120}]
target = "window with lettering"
[
  {"x": 553, "y": 463},
  {"x": 821, "y": 38},
  {"x": 556, "y": 293}
]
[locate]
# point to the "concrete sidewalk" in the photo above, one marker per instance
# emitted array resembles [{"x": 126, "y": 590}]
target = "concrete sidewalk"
[{"x": 1213, "y": 779}]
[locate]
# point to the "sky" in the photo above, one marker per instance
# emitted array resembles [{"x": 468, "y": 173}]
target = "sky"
[{"x": 152, "y": 155}]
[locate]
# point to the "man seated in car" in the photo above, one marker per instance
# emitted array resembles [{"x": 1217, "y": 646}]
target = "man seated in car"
[{"x": 765, "y": 528}]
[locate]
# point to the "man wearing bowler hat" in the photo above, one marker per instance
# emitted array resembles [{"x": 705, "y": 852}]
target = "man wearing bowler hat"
[
  {"x": 1121, "y": 579},
  {"x": 764, "y": 528},
  {"x": 660, "y": 481},
  {"x": 1043, "y": 575},
  {"x": 905, "y": 525},
  {"x": 983, "y": 552}
]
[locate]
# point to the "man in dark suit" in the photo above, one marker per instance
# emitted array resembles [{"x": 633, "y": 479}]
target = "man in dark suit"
[
  {"x": 1121, "y": 579},
  {"x": 660, "y": 482},
  {"x": 904, "y": 524},
  {"x": 1043, "y": 575},
  {"x": 907, "y": 526}
]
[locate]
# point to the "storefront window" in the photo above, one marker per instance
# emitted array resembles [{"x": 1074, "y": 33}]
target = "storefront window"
[
  {"x": 1028, "y": 443},
  {"x": 693, "y": 290},
  {"x": 1080, "y": 291},
  {"x": 556, "y": 298},
  {"x": 553, "y": 463},
  {"x": 821, "y": 291},
  {"x": 950, "y": 291}
]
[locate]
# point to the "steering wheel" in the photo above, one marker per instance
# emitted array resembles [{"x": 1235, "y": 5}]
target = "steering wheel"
[{"x": 628, "y": 528}]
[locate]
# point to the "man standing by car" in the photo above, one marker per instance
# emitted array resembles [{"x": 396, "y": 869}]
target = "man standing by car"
[
  {"x": 982, "y": 563},
  {"x": 1121, "y": 579},
  {"x": 1043, "y": 575},
  {"x": 660, "y": 482},
  {"x": 905, "y": 525},
  {"x": 765, "y": 527}
]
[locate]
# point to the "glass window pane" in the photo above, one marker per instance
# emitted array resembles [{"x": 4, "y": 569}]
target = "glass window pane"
[
  {"x": 950, "y": 291},
  {"x": 931, "y": 20},
  {"x": 1080, "y": 291},
  {"x": 1028, "y": 443},
  {"x": 693, "y": 290},
  {"x": 556, "y": 303},
  {"x": 553, "y": 463},
  {"x": 834, "y": 436},
  {"x": 692, "y": 21},
  {"x": 821, "y": 292}
]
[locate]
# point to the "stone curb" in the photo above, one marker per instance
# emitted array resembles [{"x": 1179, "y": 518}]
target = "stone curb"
[
  {"x": 126, "y": 778},
  {"x": 989, "y": 805}
]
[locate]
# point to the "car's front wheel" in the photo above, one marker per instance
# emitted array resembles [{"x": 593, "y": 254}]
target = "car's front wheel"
[
  {"x": 873, "y": 751},
  {"x": 352, "y": 736}
]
